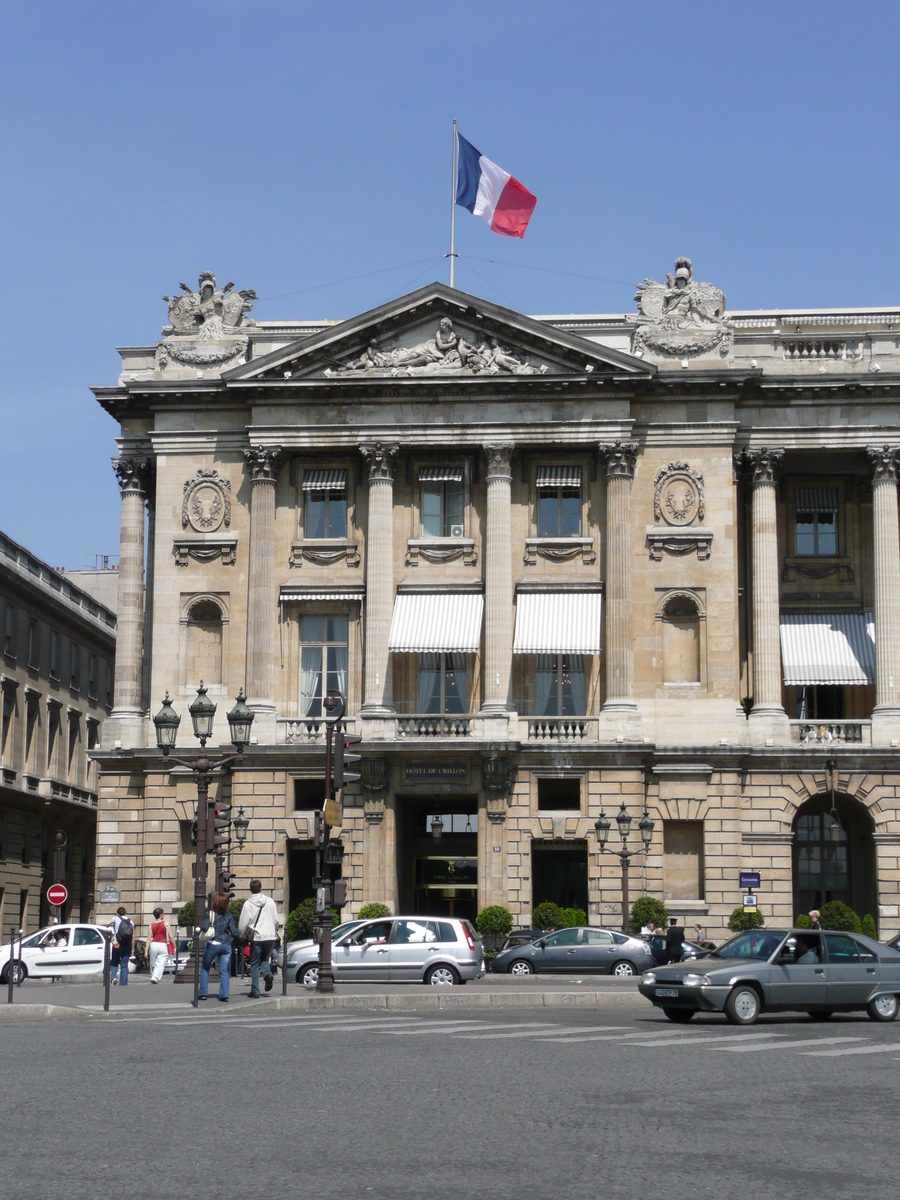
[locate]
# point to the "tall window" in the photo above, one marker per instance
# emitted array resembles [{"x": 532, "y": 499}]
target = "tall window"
[
  {"x": 325, "y": 504},
  {"x": 74, "y": 739},
  {"x": 823, "y": 869},
  {"x": 53, "y": 724},
  {"x": 559, "y": 685},
  {"x": 33, "y": 644},
  {"x": 9, "y": 642},
  {"x": 816, "y": 527},
  {"x": 204, "y": 644},
  {"x": 92, "y": 676},
  {"x": 110, "y": 684},
  {"x": 6, "y": 731},
  {"x": 54, "y": 653},
  {"x": 32, "y": 720},
  {"x": 681, "y": 641},
  {"x": 442, "y": 501},
  {"x": 559, "y": 501},
  {"x": 75, "y": 666},
  {"x": 443, "y": 684},
  {"x": 323, "y": 660}
]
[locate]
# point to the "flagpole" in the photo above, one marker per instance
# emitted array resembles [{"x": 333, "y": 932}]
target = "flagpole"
[{"x": 453, "y": 203}]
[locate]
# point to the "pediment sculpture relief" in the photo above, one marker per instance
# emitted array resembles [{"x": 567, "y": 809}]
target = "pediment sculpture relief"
[
  {"x": 447, "y": 353},
  {"x": 680, "y": 318},
  {"x": 203, "y": 327}
]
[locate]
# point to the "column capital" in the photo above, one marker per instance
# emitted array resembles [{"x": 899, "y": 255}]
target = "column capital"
[
  {"x": 264, "y": 462},
  {"x": 381, "y": 459},
  {"x": 620, "y": 458},
  {"x": 884, "y": 462},
  {"x": 762, "y": 464},
  {"x": 499, "y": 459},
  {"x": 134, "y": 474}
]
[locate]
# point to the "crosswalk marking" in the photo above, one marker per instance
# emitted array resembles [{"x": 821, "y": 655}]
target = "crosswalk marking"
[
  {"x": 541, "y": 1034},
  {"x": 709, "y": 1038},
  {"x": 441, "y": 1027},
  {"x": 849, "y": 1050},
  {"x": 816, "y": 1041}
]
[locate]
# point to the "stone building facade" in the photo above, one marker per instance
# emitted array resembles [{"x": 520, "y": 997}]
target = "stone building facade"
[
  {"x": 558, "y": 564},
  {"x": 56, "y": 686}
]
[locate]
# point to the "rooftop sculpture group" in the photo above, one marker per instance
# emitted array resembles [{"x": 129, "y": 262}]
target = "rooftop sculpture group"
[
  {"x": 203, "y": 325},
  {"x": 680, "y": 318}
]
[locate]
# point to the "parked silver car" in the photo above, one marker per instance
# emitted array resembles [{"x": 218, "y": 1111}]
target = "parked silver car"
[
  {"x": 300, "y": 950},
  {"x": 577, "y": 951},
  {"x": 402, "y": 950},
  {"x": 778, "y": 970}
]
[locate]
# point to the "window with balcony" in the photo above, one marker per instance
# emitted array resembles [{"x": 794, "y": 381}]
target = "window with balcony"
[
  {"x": 816, "y": 524},
  {"x": 323, "y": 660},
  {"x": 559, "y": 685},
  {"x": 442, "y": 501},
  {"x": 442, "y": 684},
  {"x": 325, "y": 503},
  {"x": 558, "y": 501}
]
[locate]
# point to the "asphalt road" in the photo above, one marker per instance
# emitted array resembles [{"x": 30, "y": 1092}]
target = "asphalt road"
[{"x": 234, "y": 1102}]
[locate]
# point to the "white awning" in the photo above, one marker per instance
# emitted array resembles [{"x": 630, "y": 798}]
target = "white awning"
[
  {"x": 822, "y": 648},
  {"x": 816, "y": 499},
  {"x": 557, "y": 623},
  {"x": 292, "y": 595},
  {"x": 436, "y": 622},
  {"x": 558, "y": 477},
  {"x": 325, "y": 480},
  {"x": 440, "y": 474}
]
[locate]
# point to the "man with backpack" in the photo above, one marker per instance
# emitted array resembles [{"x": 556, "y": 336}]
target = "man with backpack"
[{"x": 123, "y": 940}]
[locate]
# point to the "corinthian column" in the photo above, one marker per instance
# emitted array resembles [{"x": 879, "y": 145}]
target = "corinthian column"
[
  {"x": 885, "y": 463},
  {"x": 498, "y": 585},
  {"x": 264, "y": 463},
  {"x": 381, "y": 461},
  {"x": 619, "y": 713},
  {"x": 767, "y": 717},
  {"x": 134, "y": 476}
]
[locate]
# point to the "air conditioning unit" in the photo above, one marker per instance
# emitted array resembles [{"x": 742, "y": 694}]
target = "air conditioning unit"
[{"x": 456, "y": 531}]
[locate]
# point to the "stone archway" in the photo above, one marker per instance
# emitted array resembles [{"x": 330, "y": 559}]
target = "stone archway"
[{"x": 826, "y": 870}]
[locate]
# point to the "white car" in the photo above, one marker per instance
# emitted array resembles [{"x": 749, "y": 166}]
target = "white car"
[{"x": 57, "y": 952}]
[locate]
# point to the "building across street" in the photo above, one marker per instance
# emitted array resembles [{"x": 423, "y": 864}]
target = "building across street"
[{"x": 559, "y": 565}]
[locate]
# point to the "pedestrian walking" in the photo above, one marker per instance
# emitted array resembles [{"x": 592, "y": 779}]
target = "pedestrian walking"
[
  {"x": 123, "y": 940},
  {"x": 814, "y": 919},
  {"x": 219, "y": 931},
  {"x": 259, "y": 923},
  {"x": 699, "y": 934},
  {"x": 675, "y": 940},
  {"x": 158, "y": 941},
  {"x": 658, "y": 947}
]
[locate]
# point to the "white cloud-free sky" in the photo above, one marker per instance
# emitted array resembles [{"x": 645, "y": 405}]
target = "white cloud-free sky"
[{"x": 303, "y": 149}]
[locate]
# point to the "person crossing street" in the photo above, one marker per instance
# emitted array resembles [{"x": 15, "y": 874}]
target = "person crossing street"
[{"x": 259, "y": 922}]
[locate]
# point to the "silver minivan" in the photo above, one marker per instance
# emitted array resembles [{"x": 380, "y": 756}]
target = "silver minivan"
[{"x": 440, "y": 951}]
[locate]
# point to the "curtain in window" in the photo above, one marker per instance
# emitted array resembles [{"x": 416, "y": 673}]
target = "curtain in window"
[
  {"x": 456, "y": 689},
  {"x": 311, "y": 681},
  {"x": 340, "y": 666},
  {"x": 545, "y": 699},
  {"x": 428, "y": 699},
  {"x": 575, "y": 664}
]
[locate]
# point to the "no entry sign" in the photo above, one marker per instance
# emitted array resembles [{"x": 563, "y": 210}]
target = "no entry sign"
[{"x": 57, "y": 894}]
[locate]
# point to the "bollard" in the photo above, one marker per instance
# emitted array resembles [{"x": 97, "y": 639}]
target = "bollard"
[
  {"x": 106, "y": 957},
  {"x": 20, "y": 974}
]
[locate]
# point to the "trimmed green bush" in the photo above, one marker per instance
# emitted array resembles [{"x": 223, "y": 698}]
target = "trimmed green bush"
[
  {"x": 495, "y": 920},
  {"x": 235, "y": 909},
  {"x": 569, "y": 917},
  {"x": 546, "y": 915},
  {"x": 869, "y": 928},
  {"x": 647, "y": 910},
  {"x": 838, "y": 915},
  {"x": 741, "y": 920},
  {"x": 372, "y": 910},
  {"x": 299, "y": 923},
  {"x": 186, "y": 915},
  {"x": 802, "y": 922}
]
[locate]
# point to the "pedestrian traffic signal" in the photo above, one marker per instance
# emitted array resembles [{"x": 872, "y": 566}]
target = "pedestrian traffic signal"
[
  {"x": 194, "y": 832},
  {"x": 227, "y": 882},
  {"x": 340, "y": 775},
  {"x": 222, "y": 826},
  {"x": 339, "y": 893}
]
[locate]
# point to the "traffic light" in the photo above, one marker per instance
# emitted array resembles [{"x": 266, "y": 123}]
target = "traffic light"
[
  {"x": 334, "y": 857},
  {"x": 194, "y": 832},
  {"x": 221, "y": 826},
  {"x": 228, "y": 885},
  {"x": 340, "y": 775}
]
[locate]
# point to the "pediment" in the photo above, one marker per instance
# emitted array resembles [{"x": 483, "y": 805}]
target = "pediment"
[{"x": 440, "y": 333}]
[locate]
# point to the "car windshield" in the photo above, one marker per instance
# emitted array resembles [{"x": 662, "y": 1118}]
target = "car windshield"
[{"x": 760, "y": 944}]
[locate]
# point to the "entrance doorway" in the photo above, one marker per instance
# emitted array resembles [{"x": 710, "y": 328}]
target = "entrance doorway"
[
  {"x": 301, "y": 857},
  {"x": 827, "y": 869},
  {"x": 560, "y": 873},
  {"x": 438, "y": 876}
]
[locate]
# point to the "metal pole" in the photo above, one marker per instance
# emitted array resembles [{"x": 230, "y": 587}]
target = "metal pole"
[
  {"x": 106, "y": 971},
  {"x": 10, "y": 967},
  {"x": 19, "y": 961},
  {"x": 201, "y": 773},
  {"x": 325, "y": 981},
  {"x": 625, "y": 856},
  {"x": 453, "y": 203}
]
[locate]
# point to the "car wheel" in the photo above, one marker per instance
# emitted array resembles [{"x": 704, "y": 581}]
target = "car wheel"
[
  {"x": 623, "y": 969},
  {"x": 823, "y": 1014},
  {"x": 19, "y": 972},
  {"x": 521, "y": 967},
  {"x": 883, "y": 1008},
  {"x": 441, "y": 975},
  {"x": 680, "y": 1016},
  {"x": 743, "y": 1007},
  {"x": 308, "y": 974}
]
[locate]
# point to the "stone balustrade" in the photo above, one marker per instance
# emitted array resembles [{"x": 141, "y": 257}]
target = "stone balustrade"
[{"x": 843, "y": 733}]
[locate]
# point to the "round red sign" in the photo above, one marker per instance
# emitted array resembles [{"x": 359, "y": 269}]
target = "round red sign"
[{"x": 57, "y": 894}]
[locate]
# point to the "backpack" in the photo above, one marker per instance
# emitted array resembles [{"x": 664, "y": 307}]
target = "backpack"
[{"x": 125, "y": 932}]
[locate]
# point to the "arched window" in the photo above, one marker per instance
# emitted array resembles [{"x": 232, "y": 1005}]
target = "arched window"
[
  {"x": 204, "y": 644},
  {"x": 681, "y": 641}
]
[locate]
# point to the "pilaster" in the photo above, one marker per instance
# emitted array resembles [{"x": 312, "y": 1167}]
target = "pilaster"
[
  {"x": 264, "y": 463},
  {"x": 885, "y": 464},
  {"x": 619, "y": 717},
  {"x": 498, "y": 583},
  {"x": 381, "y": 461},
  {"x": 126, "y": 724}
]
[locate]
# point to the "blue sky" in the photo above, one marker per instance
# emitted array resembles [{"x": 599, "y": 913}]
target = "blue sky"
[{"x": 288, "y": 146}]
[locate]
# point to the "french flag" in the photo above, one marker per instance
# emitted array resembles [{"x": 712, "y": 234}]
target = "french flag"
[{"x": 492, "y": 193}]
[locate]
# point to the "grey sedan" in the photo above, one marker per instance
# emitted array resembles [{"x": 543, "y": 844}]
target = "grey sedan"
[
  {"x": 780, "y": 970},
  {"x": 578, "y": 951}
]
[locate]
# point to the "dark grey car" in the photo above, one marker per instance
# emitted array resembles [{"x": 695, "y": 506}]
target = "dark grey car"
[
  {"x": 578, "y": 951},
  {"x": 779, "y": 970}
]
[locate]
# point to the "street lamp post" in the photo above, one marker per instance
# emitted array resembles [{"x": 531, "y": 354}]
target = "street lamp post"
[
  {"x": 202, "y": 712},
  {"x": 623, "y": 819}
]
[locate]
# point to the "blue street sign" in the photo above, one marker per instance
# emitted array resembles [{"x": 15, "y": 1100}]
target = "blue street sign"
[{"x": 749, "y": 879}]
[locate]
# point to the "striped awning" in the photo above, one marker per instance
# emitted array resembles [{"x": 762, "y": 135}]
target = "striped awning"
[
  {"x": 325, "y": 479},
  {"x": 557, "y": 623},
  {"x": 558, "y": 477},
  {"x": 291, "y": 595},
  {"x": 816, "y": 499},
  {"x": 823, "y": 648},
  {"x": 440, "y": 474},
  {"x": 436, "y": 622}
]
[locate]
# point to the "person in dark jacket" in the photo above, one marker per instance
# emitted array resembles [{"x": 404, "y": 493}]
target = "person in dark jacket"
[
  {"x": 658, "y": 947},
  {"x": 220, "y": 930},
  {"x": 675, "y": 940}
]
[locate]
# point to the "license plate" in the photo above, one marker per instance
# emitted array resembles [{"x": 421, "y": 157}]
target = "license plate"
[{"x": 666, "y": 992}]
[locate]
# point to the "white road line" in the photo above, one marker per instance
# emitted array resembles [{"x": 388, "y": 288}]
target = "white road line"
[
  {"x": 850, "y": 1050},
  {"x": 441, "y": 1027},
  {"x": 710, "y": 1039},
  {"x": 622, "y": 1035},
  {"x": 785, "y": 1045},
  {"x": 562, "y": 1032}
]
